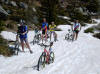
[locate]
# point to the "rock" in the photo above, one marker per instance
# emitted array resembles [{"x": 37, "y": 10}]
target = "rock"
[
  {"x": 8, "y": 11},
  {"x": 3, "y": 11},
  {"x": 35, "y": 19},
  {"x": 5, "y": 1},
  {"x": 13, "y": 3},
  {"x": 34, "y": 9},
  {"x": 23, "y": 5}
]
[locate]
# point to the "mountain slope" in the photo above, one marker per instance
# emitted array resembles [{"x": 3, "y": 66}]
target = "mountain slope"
[{"x": 78, "y": 57}]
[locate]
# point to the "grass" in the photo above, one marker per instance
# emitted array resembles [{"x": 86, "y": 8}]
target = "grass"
[
  {"x": 4, "y": 49},
  {"x": 89, "y": 30},
  {"x": 97, "y": 35}
]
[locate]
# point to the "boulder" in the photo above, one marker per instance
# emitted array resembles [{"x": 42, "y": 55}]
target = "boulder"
[
  {"x": 3, "y": 11},
  {"x": 34, "y": 9},
  {"x": 13, "y": 3},
  {"x": 5, "y": 1},
  {"x": 23, "y": 5}
]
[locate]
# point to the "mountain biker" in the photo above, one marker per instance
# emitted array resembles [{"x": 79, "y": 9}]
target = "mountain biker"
[
  {"x": 52, "y": 30},
  {"x": 76, "y": 29},
  {"x": 44, "y": 29},
  {"x": 22, "y": 31}
]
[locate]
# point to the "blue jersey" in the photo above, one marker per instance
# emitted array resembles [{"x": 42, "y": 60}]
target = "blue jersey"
[
  {"x": 22, "y": 29},
  {"x": 44, "y": 24}
]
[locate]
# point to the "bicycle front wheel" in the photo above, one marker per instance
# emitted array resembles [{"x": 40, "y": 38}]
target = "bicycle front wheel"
[
  {"x": 41, "y": 62},
  {"x": 52, "y": 56}
]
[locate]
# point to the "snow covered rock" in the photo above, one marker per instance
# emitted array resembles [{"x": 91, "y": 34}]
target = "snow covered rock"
[
  {"x": 23, "y": 5},
  {"x": 3, "y": 11},
  {"x": 13, "y": 3}
]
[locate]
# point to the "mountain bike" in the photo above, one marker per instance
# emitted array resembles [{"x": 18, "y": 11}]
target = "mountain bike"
[
  {"x": 16, "y": 45},
  {"x": 69, "y": 35},
  {"x": 46, "y": 57},
  {"x": 37, "y": 38}
]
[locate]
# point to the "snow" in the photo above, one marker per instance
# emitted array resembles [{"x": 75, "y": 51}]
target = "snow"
[
  {"x": 64, "y": 17},
  {"x": 78, "y": 57}
]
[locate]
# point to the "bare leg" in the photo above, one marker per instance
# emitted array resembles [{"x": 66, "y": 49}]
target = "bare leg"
[
  {"x": 55, "y": 35},
  {"x": 22, "y": 44},
  {"x": 42, "y": 38},
  {"x": 76, "y": 35},
  {"x": 50, "y": 35},
  {"x": 45, "y": 37},
  {"x": 28, "y": 47},
  {"x": 73, "y": 36}
]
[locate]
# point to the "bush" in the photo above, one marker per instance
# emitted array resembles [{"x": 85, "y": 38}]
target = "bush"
[
  {"x": 97, "y": 35},
  {"x": 89, "y": 30},
  {"x": 2, "y": 26},
  {"x": 79, "y": 16},
  {"x": 82, "y": 23},
  {"x": 4, "y": 49},
  {"x": 1, "y": 29},
  {"x": 58, "y": 29},
  {"x": 10, "y": 26}
]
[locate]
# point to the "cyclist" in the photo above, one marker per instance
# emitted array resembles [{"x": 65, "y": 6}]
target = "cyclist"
[
  {"x": 44, "y": 29},
  {"x": 52, "y": 30},
  {"x": 22, "y": 31},
  {"x": 76, "y": 28}
]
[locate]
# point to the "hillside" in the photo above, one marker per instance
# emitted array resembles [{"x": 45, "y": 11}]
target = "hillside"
[{"x": 78, "y": 57}]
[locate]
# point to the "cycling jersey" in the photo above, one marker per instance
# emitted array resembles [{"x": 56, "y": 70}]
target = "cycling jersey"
[
  {"x": 76, "y": 27},
  {"x": 22, "y": 29},
  {"x": 44, "y": 25},
  {"x": 52, "y": 27}
]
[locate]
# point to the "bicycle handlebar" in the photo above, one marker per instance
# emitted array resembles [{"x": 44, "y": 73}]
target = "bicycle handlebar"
[{"x": 46, "y": 46}]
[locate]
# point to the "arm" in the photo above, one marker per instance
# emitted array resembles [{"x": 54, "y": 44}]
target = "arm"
[
  {"x": 80, "y": 27},
  {"x": 72, "y": 27},
  {"x": 25, "y": 30}
]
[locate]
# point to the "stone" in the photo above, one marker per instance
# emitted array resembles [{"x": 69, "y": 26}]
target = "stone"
[
  {"x": 13, "y": 3},
  {"x": 23, "y": 5},
  {"x": 3, "y": 11}
]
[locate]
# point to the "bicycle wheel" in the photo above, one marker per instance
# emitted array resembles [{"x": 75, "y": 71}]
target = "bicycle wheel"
[
  {"x": 16, "y": 47},
  {"x": 52, "y": 56},
  {"x": 71, "y": 37},
  {"x": 41, "y": 61},
  {"x": 34, "y": 40},
  {"x": 66, "y": 37}
]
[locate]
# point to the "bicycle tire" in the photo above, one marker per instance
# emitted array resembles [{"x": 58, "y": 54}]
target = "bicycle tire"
[
  {"x": 41, "y": 61},
  {"x": 34, "y": 40},
  {"x": 16, "y": 48},
  {"x": 52, "y": 56},
  {"x": 66, "y": 36}
]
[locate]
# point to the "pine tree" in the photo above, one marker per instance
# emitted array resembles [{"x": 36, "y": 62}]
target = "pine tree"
[{"x": 48, "y": 10}]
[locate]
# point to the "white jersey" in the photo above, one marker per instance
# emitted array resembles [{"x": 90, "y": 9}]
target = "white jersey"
[{"x": 76, "y": 26}]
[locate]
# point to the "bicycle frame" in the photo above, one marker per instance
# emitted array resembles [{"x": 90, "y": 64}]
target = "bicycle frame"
[{"x": 47, "y": 55}]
